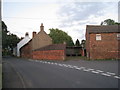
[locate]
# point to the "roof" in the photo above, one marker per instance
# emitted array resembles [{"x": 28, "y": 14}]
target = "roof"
[
  {"x": 26, "y": 43},
  {"x": 103, "y": 28},
  {"x": 52, "y": 47}
]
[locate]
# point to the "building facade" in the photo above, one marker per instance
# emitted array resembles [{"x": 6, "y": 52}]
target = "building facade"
[
  {"x": 41, "y": 39},
  {"x": 41, "y": 47},
  {"x": 103, "y": 42},
  {"x": 25, "y": 40}
]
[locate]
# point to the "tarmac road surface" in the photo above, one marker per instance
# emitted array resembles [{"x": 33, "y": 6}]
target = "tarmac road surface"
[{"x": 28, "y": 73}]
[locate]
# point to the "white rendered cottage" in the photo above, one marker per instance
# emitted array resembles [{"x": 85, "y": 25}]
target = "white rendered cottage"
[{"x": 25, "y": 40}]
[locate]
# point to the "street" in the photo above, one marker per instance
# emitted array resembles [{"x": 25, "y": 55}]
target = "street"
[{"x": 28, "y": 73}]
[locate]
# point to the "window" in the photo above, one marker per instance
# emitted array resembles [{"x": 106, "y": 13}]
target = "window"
[
  {"x": 118, "y": 36},
  {"x": 98, "y": 36}
]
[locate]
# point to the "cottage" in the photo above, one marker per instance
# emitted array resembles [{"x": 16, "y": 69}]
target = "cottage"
[
  {"x": 25, "y": 40},
  {"x": 41, "y": 47},
  {"x": 103, "y": 42},
  {"x": 39, "y": 40}
]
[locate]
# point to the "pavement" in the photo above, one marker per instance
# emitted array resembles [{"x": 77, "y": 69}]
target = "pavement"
[{"x": 28, "y": 73}]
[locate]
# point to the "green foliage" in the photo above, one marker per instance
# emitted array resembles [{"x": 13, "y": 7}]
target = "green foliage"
[
  {"x": 59, "y": 36},
  {"x": 77, "y": 43},
  {"x": 109, "y": 22},
  {"x": 9, "y": 41}
]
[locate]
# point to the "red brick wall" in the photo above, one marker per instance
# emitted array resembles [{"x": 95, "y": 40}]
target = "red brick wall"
[
  {"x": 26, "y": 51},
  {"x": 49, "y": 55},
  {"x": 107, "y": 48},
  {"x": 87, "y": 44}
]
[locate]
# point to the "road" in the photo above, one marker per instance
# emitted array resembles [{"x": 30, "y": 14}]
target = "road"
[{"x": 28, "y": 73}]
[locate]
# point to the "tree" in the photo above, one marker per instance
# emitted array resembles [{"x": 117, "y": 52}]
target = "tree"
[
  {"x": 109, "y": 22},
  {"x": 9, "y": 40},
  {"x": 77, "y": 43},
  {"x": 59, "y": 36}
]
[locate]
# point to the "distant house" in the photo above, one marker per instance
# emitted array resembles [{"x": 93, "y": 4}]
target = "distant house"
[
  {"x": 39, "y": 40},
  {"x": 25, "y": 40},
  {"x": 103, "y": 42},
  {"x": 41, "y": 47}
]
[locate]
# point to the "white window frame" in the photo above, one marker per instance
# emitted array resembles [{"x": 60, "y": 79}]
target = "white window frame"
[
  {"x": 98, "y": 37},
  {"x": 118, "y": 36}
]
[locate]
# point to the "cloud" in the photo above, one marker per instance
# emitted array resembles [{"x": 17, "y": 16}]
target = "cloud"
[
  {"x": 74, "y": 16},
  {"x": 71, "y": 16},
  {"x": 82, "y": 11}
]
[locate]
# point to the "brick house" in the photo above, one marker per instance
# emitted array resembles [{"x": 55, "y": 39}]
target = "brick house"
[
  {"x": 39, "y": 40},
  {"x": 41, "y": 47},
  {"x": 103, "y": 42}
]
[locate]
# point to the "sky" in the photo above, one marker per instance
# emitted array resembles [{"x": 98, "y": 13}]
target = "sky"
[{"x": 71, "y": 16}]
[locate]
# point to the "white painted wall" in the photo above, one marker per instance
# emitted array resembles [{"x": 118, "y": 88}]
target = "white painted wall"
[{"x": 22, "y": 43}]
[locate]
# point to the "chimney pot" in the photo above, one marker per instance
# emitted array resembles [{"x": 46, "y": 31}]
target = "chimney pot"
[
  {"x": 41, "y": 27},
  {"x": 34, "y": 33},
  {"x": 26, "y": 34}
]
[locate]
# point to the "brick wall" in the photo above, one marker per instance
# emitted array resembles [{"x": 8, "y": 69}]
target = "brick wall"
[
  {"x": 26, "y": 51},
  {"x": 107, "y": 48},
  {"x": 49, "y": 55},
  {"x": 50, "y": 52}
]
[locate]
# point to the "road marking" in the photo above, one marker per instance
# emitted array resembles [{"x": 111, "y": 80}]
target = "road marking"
[
  {"x": 55, "y": 63},
  {"x": 40, "y": 61},
  {"x": 48, "y": 62},
  {"x": 90, "y": 69},
  {"x": 94, "y": 72},
  {"x": 99, "y": 70},
  {"x": 70, "y": 66},
  {"x": 78, "y": 68},
  {"x": 45, "y": 62},
  {"x": 105, "y": 74},
  {"x": 60, "y": 64},
  {"x": 65, "y": 65},
  {"x": 75, "y": 66},
  {"x": 86, "y": 70},
  {"x": 110, "y": 73},
  {"x": 52, "y": 63},
  {"x": 82, "y": 68},
  {"x": 117, "y": 77}
]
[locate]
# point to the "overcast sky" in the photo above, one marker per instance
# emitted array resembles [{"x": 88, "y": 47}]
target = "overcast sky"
[{"x": 71, "y": 16}]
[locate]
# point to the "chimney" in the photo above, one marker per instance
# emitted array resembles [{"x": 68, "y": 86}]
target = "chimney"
[
  {"x": 41, "y": 27},
  {"x": 26, "y": 34},
  {"x": 34, "y": 33}
]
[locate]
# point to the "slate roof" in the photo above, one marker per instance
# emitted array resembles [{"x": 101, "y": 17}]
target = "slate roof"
[
  {"x": 103, "y": 28},
  {"x": 52, "y": 47}
]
